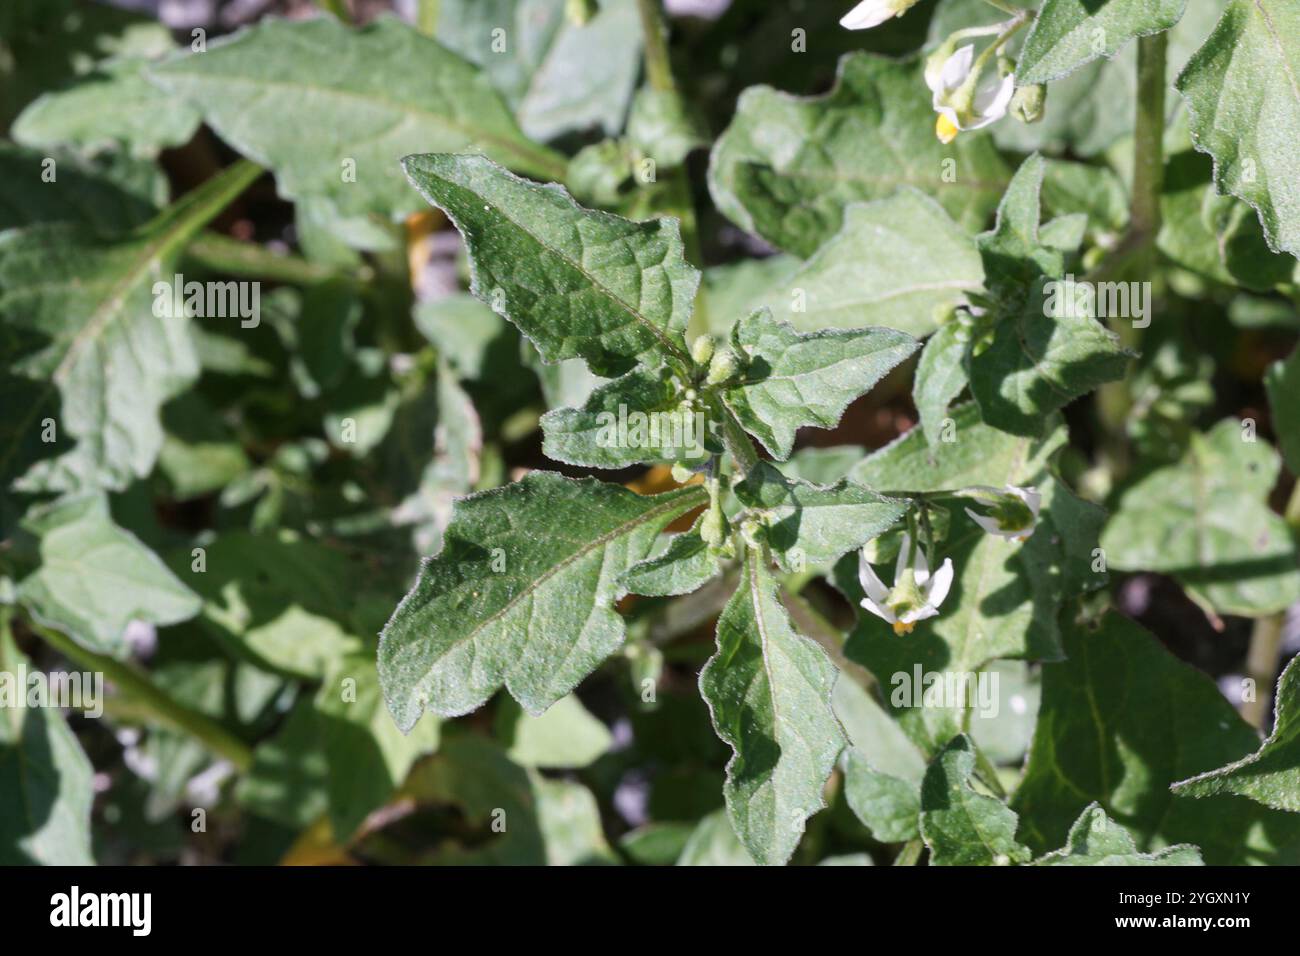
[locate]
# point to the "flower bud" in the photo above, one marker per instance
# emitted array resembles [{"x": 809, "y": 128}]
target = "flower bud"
[
  {"x": 1027, "y": 103},
  {"x": 702, "y": 349},
  {"x": 722, "y": 366}
]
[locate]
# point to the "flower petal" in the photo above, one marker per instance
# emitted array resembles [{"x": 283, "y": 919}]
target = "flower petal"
[
  {"x": 867, "y": 14},
  {"x": 957, "y": 68},
  {"x": 872, "y": 586},
  {"x": 988, "y": 524},
  {"x": 883, "y": 613},
  {"x": 991, "y": 102},
  {"x": 939, "y": 586}
]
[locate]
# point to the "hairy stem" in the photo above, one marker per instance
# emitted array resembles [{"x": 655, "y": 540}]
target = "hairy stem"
[
  {"x": 910, "y": 854},
  {"x": 659, "y": 76},
  {"x": 1135, "y": 253},
  {"x": 217, "y": 253},
  {"x": 159, "y": 706}
]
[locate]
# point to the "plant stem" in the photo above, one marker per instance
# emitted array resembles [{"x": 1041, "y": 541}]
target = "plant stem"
[
  {"x": 1135, "y": 252},
  {"x": 910, "y": 854},
  {"x": 659, "y": 75},
  {"x": 217, "y": 253},
  {"x": 1261, "y": 667},
  {"x": 658, "y": 68},
  {"x": 1266, "y": 642},
  {"x": 426, "y": 17},
  {"x": 1148, "y": 138},
  {"x": 1009, "y": 8},
  {"x": 737, "y": 442},
  {"x": 165, "y": 710}
]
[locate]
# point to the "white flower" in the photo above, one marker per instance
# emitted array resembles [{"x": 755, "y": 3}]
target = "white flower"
[
  {"x": 1014, "y": 511},
  {"x": 916, "y": 594},
  {"x": 872, "y": 13},
  {"x": 964, "y": 102}
]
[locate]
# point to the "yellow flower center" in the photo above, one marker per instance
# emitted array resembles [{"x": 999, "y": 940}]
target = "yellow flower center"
[
  {"x": 901, "y": 628},
  {"x": 945, "y": 130}
]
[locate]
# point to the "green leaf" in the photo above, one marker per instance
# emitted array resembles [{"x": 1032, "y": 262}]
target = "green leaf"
[
  {"x": 686, "y": 565},
  {"x": 521, "y": 594},
  {"x": 106, "y": 194},
  {"x": 1216, "y": 236},
  {"x": 940, "y": 378},
  {"x": 569, "y": 818},
  {"x": 1042, "y": 354},
  {"x": 639, "y": 417},
  {"x": 1271, "y": 775},
  {"x": 792, "y": 380},
  {"x": 368, "y": 758},
  {"x": 1282, "y": 380},
  {"x": 1206, "y": 521},
  {"x": 536, "y": 70},
  {"x": 1005, "y": 597},
  {"x": 714, "y": 843},
  {"x": 497, "y": 798},
  {"x": 89, "y": 302},
  {"x": 810, "y": 525},
  {"x": 786, "y": 167},
  {"x": 769, "y": 693},
  {"x": 373, "y": 95},
  {"x": 662, "y": 127},
  {"x": 95, "y": 578},
  {"x": 45, "y": 778},
  {"x": 289, "y": 780},
  {"x": 1097, "y": 840},
  {"x": 1069, "y": 33},
  {"x": 900, "y": 263},
  {"x": 1243, "y": 98},
  {"x": 578, "y": 283},
  {"x": 1122, "y": 720},
  {"x": 882, "y": 768},
  {"x": 566, "y": 737},
  {"x": 961, "y": 826},
  {"x": 114, "y": 105},
  {"x": 281, "y": 600},
  {"x": 466, "y": 332}
]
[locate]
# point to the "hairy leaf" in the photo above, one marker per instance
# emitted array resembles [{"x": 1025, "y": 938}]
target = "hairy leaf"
[
  {"x": 45, "y": 778},
  {"x": 810, "y": 525},
  {"x": 1271, "y": 775},
  {"x": 1046, "y": 347},
  {"x": 792, "y": 380},
  {"x": 1069, "y": 33},
  {"x": 1243, "y": 96},
  {"x": 521, "y": 594},
  {"x": 1097, "y": 840},
  {"x": 769, "y": 692},
  {"x": 787, "y": 166},
  {"x": 94, "y": 329},
  {"x": 899, "y": 263},
  {"x": 332, "y": 109},
  {"x": 578, "y": 283},
  {"x": 1206, "y": 520},
  {"x": 1122, "y": 720},
  {"x": 961, "y": 826},
  {"x": 95, "y": 578}
]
